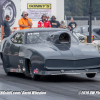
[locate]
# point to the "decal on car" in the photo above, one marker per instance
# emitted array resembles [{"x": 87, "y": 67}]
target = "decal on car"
[
  {"x": 21, "y": 61},
  {"x": 36, "y": 70},
  {"x": 19, "y": 66},
  {"x": 36, "y": 33},
  {"x": 14, "y": 70}
]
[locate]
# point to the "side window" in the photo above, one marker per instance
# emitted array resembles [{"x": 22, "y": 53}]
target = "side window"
[
  {"x": 33, "y": 38},
  {"x": 18, "y": 38}
]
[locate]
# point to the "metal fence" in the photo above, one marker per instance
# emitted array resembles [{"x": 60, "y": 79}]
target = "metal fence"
[{"x": 82, "y": 20}]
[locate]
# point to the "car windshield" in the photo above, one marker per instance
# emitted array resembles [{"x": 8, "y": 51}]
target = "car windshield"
[
  {"x": 39, "y": 37},
  {"x": 77, "y": 30}
]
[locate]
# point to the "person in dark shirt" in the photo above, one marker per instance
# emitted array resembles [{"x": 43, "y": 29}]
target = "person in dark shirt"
[
  {"x": 72, "y": 24},
  {"x": 54, "y": 23},
  {"x": 5, "y": 27}
]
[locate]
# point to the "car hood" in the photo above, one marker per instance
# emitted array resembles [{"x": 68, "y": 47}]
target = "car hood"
[{"x": 73, "y": 52}]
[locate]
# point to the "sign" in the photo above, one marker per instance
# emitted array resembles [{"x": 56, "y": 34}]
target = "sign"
[
  {"x": 35, "y": 11},
  {"x": 39, "y": 6}
]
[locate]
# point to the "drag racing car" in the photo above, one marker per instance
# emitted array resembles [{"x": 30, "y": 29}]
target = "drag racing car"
[{"x": 48, "y": 51}]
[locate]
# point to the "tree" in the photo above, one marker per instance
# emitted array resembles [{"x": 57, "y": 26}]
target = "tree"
[{"x": 81, "y": 7}]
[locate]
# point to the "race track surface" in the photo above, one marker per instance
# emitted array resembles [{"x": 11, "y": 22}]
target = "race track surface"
[{"x": 65, "y": 87}]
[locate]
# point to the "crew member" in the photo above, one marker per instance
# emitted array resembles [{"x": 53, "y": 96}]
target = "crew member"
[
  {"x": 25, "y": 22},
  {"x": 5, "y": 28},
  {"x": 44, "y": 23},
  {"x": 72, "y": 24},
  {"x": 62, "y": 24},
  {"x": 54, "y": 23}
]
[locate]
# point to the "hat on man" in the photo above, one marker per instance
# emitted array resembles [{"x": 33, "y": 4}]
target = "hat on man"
[
  {"x": 24, "y": 13},
  {"x": 53, "y": 17}
]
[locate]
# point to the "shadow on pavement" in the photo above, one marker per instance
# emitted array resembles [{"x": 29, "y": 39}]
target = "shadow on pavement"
[{"x": 56, "y": 78}]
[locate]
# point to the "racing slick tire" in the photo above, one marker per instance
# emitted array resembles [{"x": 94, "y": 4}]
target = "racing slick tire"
[
  {"x": 34, "y": 77},
  {"x": 4, "y": 67},
  {"x": 91, "y": 75},
  {"x": 7, "y": 7}
]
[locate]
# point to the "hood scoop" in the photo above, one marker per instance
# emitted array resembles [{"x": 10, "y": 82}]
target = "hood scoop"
[
  {"x": 60, "y": 38},
  {"x": 62, "y": 47}
]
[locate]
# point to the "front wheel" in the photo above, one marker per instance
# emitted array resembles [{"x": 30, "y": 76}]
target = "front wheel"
[
  {"x": 34, "y": 77},
  {"x": 91, "y": 75}
]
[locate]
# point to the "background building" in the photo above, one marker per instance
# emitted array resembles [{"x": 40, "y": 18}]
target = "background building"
[
  {"x": 35, "y": 8},
  {"x": 57, "y": 8}
]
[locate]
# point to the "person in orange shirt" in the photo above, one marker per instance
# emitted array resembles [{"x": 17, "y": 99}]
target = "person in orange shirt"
[{"x": 25, "y": 22}]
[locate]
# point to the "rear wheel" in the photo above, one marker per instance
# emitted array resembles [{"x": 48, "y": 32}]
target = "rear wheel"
[
  {"x": 34, "y": 77},
  {"x": 91, "y": 75}
]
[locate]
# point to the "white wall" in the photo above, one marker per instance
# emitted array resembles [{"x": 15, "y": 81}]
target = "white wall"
[
  {"x": 60, "y": 9},
  {"x": 57, "y": 8},
  {"x": 17, "y": 4}
]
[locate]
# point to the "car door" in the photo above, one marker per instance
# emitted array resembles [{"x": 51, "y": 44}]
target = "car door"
[{"x": 16, "y": 43}]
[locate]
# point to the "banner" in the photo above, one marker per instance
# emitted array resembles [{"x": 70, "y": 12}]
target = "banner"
[
  {"x": 36, "y": 11},
  {"x": 39, "y": 6}
]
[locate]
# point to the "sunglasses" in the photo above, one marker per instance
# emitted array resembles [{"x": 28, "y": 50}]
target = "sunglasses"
[
  {"x": 44, "y": 16},
  {"x": 26, "y": 14}
]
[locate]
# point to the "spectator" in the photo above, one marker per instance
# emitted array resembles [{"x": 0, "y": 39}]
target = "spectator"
[
  {"x": 25, "y": 22},
  {"x": 54, "y": 23},
  {"x": 5, "y": 27},
  {"x": 44, "y": 23},
  {"x": 62, "y": 24},
  {"x": 72, "y": 24}
]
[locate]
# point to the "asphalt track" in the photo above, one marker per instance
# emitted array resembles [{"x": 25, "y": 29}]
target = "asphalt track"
[{"x": 65, "y": 87}]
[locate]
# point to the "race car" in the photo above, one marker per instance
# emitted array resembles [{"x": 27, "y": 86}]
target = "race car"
[{"x": 48, "y": 51}]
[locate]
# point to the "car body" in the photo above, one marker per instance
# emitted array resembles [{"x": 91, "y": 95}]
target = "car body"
[
  {"x": 48, "y": 51},
  {"x": 84, "y": 31}
]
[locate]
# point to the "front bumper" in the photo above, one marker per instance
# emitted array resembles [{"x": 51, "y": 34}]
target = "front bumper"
[{"x": 63, "y": 72}]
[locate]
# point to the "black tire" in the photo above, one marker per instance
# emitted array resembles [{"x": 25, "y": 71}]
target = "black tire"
[
  {"x": 8, "y": 8},
  {"x": 4, "y": 67},
  {"x": 91, "y": 75},
  {"x": 34, "y": 77}
]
